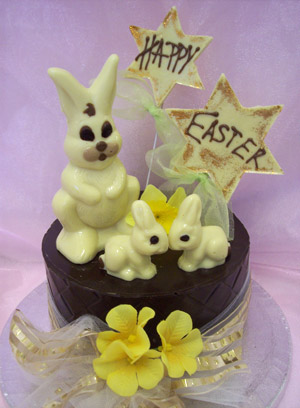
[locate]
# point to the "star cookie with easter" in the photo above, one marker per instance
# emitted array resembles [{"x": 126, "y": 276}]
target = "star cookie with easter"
[
  {"x": 167, "y": 56},
  {"x": 226, "y": 139}
]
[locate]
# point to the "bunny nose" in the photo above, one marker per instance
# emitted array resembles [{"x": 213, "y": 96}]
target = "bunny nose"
[{"x": 101, "y": 146}]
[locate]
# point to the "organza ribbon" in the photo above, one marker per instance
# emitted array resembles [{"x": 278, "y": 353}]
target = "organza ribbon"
[
  {"x": 138, "y": 102},
  {"x": 215, "y": 210},
  {"x": 62, "y": 359}
]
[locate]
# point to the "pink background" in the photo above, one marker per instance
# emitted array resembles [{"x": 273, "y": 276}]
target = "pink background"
[{"x": 256, "y": 44}]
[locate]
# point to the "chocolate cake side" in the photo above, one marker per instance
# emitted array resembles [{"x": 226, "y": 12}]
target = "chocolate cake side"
[{"x": 87, "y": 289}]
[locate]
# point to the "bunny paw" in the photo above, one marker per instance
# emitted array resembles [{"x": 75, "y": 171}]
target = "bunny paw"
[
  {"x": 127, "y": 274},
  {"x": 186, "y": 266},
  {"x": 148, "y": 273},
  {"x": 79, "y": 247}
]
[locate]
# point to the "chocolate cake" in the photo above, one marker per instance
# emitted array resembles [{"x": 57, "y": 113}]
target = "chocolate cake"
[
  {"x": 76, "y": 290},
  {"x": 164, "y": 258}
]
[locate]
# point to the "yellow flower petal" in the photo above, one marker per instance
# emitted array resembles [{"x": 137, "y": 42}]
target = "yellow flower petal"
[
  {"x": 145, "y": 315},
  {"x": 122, "y": 374},
  {"x": 152, "y": 353},
  {"x": 173, "y": 364},
  {"x": 177, "y": 198},
  {"x": 191, "y": 345},
  {"x": 189, "y": 364},
  {"x": 122, "y": 318},
  {"x": 137, "y": 344},
  {"x": 162, "y": 330},
  {"x": 104, "y": 369},
  {"x": 149, "y": 372},
  {"x": 124, "y": 381},
  {"x": 163, "y": 213},
  {"x": 178, "y": 324},
  {"x": 180, "y": 344},
  {"x": 115, "y": 351},
  {"x": 105, "y": 338},
  {"x": 166, "y": 221},
  {"x": 111, "y": 360},
  {"x": 129, "y": 219},
  {"x": 152, "y": 193}
]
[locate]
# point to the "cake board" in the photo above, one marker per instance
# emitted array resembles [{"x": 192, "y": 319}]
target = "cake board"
[{"x": 267, "y": 351}]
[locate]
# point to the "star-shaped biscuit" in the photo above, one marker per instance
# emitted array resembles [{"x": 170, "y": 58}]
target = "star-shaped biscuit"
[
  {"x": 167, "y": 56},
  {"x": 226, "y": 139}
]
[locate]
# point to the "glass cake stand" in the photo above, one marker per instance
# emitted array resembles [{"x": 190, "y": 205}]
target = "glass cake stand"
[{"x": 266, "y": 350}]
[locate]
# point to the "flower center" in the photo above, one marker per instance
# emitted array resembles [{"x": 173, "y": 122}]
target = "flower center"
[
  {"x": 131, "y": 338},
  {"x": 164, "y": 213},
  {"x": 169, "y": 347}
]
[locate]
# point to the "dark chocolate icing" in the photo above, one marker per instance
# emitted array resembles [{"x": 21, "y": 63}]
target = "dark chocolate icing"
[
  {"x": 157, "y": 48},
  {"x": 106, "y": 129},
  {"x": 204, "y": 294},
  {"x": 101, "y": 146},
  {"x": 215, "y": 133},
  {"x": 87, "y": 134},
  {"x": 90, "y": 110},
  {"x": 102, "y": 156}
]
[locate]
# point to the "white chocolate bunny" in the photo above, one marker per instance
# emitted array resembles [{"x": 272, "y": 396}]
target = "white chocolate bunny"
[
  {"x": 96, "y": 192},
  {"x": 129, "y": 257},
  {"x": 203, "y": 247}
]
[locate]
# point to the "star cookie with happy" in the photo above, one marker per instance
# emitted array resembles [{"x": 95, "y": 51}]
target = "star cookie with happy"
[{"x": 167, "y": 56}]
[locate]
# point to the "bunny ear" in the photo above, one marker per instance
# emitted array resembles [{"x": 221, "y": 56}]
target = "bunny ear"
[
  {"x": 72, "y": 94},
  {"x": 104, "y": 86},
  {"x": 190, "y": 209},
  {"x": 142, "y": 214}
]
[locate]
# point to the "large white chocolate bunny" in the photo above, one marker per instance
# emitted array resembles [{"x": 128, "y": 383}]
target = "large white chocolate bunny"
[
  {"x": 129, "y": 257},
  {"x": 96, "y": 192},
  {"x": 203, "y": 247}
]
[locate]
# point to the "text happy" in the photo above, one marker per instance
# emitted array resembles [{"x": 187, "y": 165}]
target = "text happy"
[{"x": 156, "y": 50}]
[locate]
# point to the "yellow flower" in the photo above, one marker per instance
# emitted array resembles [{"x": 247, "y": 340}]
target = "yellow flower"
[
  {"x": 124, "y": 374},
  {"x": 180, "y": 344},
  {"x": 164, "y": 212},
  {"x": 128, "y": 326}
]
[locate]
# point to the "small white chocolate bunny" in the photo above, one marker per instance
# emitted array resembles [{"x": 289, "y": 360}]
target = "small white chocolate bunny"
[
  {"x": 203, "y": 247},
  {"x": 96, "y": 191},
  {"x": 129, "y": 257}
]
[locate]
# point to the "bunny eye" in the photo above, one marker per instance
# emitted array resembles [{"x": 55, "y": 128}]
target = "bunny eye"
[
  {"x": 87, "y": 134},
  {"x": 154, "y": 240},
  {"x": 106, "y": 129},
  {"x": 184, "y": 238}
]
